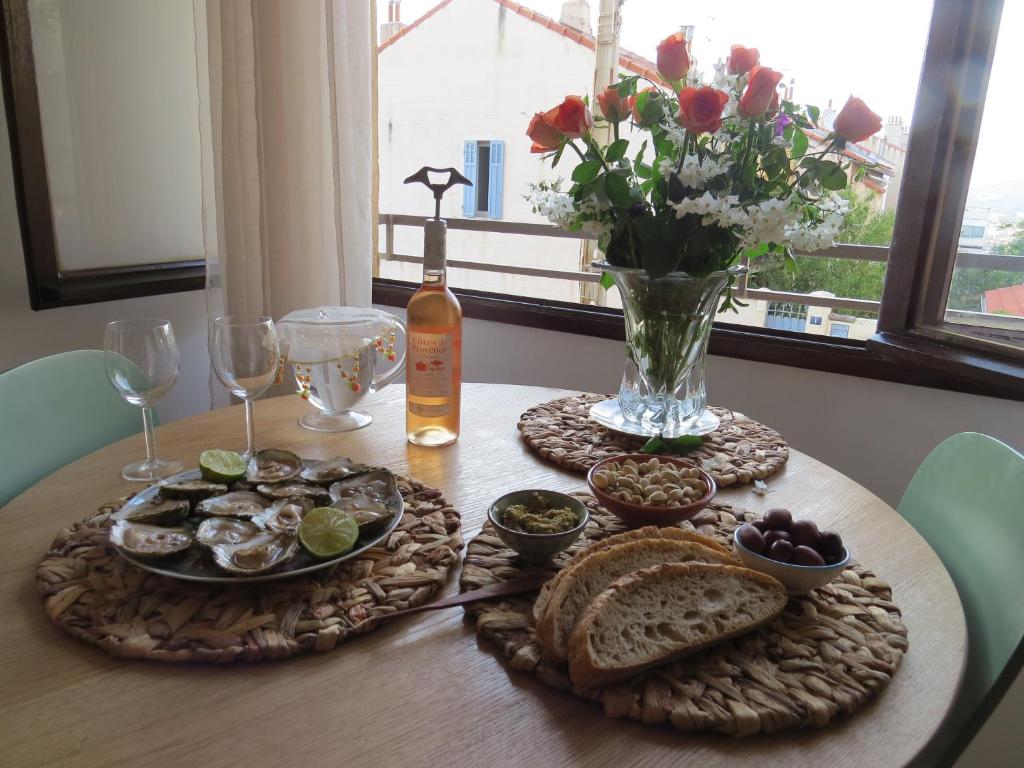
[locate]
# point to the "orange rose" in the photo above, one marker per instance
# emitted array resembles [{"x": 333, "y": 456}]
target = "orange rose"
[
  {"x": 700, "y": 109},
  {"x": 544, "y": 134},
  {"x": 742, "y": 60},
  {"x": 673, "y": 57},
  {"x": 855, "y": 122},
  {"x": 571, "y": 117},
  {"x": 761, "y": 85},
  {"x": 614, "y": 107}
]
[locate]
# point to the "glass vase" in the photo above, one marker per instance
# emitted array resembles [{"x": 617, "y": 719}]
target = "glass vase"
[{"x": 668, "y": 322}]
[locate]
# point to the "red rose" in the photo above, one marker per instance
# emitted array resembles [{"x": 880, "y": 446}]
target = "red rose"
[
  {"x": 544, "y": 134},
  {"x": 855, "y": 122},
  {"x": 614, "y": 107},
  {"x": 742, "y": 60},
  {"x": 571, "y": 117},
  {"x": 760, "y": 90},
  {"x": 673, "y": 57},
  {"x": 700, "y": 109}
]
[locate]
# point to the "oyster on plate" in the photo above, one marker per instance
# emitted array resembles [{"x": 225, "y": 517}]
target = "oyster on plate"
[
  {"x": 149, "y": 541},
  {"x": 332, "y": 470},
  {"x": 272, "y": 465},
  {"x": 225, "y": 530},
  {"x": 192, "y": 491},
  {"x": 373, "y": 499},
  {"x": 285, "y": 515},
  {"x": 241, "y": 504},
  {"x": 263, "y": 552},
  {"x": 314, "y": 493},
  {"x": 156, "y": 511}
]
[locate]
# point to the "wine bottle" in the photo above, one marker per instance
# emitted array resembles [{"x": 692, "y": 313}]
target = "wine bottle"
[{"x": 434, "y": 340}]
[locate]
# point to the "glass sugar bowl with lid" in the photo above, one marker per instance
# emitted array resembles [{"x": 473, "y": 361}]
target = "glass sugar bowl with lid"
[{"x": 338, "y": 354}]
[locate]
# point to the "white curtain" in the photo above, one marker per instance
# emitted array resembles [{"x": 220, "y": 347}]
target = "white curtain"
[{"x": 290, "y": 167}]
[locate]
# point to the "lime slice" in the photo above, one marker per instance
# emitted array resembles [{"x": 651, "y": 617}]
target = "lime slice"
[
  {"x": 328, "y": 532},
  {"x": 221, "y": 466}
]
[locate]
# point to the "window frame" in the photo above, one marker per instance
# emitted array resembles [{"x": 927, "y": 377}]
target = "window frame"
[
  {"x": 937, "y": 172},
  {"x": 944, "y": 137},
  {"x": 49, "y": 286}
]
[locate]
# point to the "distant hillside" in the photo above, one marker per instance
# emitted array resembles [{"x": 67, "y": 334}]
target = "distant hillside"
[{"x": 1005, "y": 198}]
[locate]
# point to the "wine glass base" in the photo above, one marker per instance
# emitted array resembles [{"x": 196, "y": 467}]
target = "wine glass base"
[
  {"x": 608, "y": 413},
  {"x": 346, "y": 421},
  {"x": 147, "y": 471}
]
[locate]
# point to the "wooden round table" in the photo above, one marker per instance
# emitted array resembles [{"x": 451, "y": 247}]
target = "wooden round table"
[{"x": 422, "y": 691}]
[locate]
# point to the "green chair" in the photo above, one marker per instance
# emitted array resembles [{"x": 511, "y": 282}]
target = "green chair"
[
  {"x": 55, "y": 410},
  {"x": 967, "y": 501}
]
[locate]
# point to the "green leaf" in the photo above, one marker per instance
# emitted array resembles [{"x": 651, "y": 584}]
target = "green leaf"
[
  {"x": 586, "y": 171},
  {"x": 814, "y": 113},
  {"x": 787, "y": 132},
  {"x": 607, "y": 281},
  {"x": 832, "y": 175},
  {"x": 673, "y": 446},
  {"x": 799, "y": 142},
  {"x": 643, "y": 170},
  {"x": 617, "y": 188},
  {"x": 617, "y": 150}
]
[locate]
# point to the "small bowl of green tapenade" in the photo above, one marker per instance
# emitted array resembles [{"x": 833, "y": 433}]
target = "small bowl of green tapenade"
[{"x": 538, "y": 524}]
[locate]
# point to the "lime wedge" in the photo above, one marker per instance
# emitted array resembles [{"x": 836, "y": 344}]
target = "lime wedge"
[
  {"x": 328, "y": 532},
  {"x": 221, "y": 466}
]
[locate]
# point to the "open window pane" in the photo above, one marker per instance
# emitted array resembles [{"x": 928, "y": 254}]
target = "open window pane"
[{"x": 986, "y": 291}]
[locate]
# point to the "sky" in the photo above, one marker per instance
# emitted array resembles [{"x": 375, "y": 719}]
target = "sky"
[{"x": 872, "y": 49}]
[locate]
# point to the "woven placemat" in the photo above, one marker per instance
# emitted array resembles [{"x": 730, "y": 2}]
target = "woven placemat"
[
  {"x": 827, "y": 654},
  {"x": 99, "y": 597},
  {"x": 740, "y": 451}
]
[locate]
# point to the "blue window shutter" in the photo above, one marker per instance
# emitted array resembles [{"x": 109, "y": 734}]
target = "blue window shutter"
[
  {"x": 495, "y": 178},
  {"x": 469, "y": 170}
]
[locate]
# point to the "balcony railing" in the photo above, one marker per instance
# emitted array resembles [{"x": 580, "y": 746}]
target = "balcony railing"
[{"x": 878, "y": 253}]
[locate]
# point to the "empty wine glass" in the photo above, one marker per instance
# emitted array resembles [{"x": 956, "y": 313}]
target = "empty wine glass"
[
  {"x": 142, "y": 362},
  {"x": 245, "y": 357}
]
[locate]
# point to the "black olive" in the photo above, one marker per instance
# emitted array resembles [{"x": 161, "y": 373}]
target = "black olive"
[
  {"x": 782, "y": 551},
  {"x": 778, "y": 519},
  {"x": 804, "y": 533},
  {"x": 751, "y": 539}
]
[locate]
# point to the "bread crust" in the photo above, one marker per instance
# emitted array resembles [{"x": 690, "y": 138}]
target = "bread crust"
[
  {"x": 646, "y": 532},
  {"x": 554, "y": 644},
  {"x": 585, "y": 673}
]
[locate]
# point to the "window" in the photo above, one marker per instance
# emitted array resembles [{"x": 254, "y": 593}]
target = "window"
[
  {"x": 483, "y": 164},
  {"x": 948, "y": 306},
  {"x": 879, "y": 281},
  {"x": 787, "y": 317},
  {"x": 103, "y": 108}
]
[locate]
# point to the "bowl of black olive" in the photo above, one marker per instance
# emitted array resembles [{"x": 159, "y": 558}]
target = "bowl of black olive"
[{"x": 793, "y": 551}]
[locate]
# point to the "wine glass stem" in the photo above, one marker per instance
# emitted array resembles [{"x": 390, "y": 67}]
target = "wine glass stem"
[
  {"x": 250, "y": 437},
  {"x": 147, "y": 427}
]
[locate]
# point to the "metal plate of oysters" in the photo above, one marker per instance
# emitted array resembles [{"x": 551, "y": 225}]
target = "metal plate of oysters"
[{"x": 189, "y": 528}]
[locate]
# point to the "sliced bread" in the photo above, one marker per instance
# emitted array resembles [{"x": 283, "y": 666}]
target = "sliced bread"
[
  {"x": 647, "y": 532},
  {"x": 593, "y": 574},
  {"x": 653, "y": 616}
]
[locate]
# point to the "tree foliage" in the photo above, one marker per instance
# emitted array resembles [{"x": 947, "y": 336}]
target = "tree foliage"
[{"x": 847, "y": 278}]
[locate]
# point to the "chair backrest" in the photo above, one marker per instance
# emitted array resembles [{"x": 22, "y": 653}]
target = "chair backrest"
[
  {"x": 967, "y": 500},
  {"x": 55, "y": 410}
]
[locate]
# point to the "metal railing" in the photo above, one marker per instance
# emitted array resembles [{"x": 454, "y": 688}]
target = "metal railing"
[{"x": 876, "y": 253}]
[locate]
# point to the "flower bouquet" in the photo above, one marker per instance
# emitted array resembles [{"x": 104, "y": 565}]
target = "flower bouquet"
[{"x": 724, "y": 171}]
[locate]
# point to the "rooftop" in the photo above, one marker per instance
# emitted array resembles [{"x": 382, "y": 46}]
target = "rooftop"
[
  {"x": 1006, "y": 301},
  {"x": 628, "y": 60}
]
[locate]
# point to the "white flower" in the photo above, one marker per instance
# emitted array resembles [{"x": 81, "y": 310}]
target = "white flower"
[{"x": 665, "y": 167}]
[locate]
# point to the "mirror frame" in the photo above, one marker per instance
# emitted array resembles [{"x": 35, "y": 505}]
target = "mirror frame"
[{"x": 48, "y": 286}]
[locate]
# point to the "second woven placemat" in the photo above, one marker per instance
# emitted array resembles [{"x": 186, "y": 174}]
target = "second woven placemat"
[
  {"x": 99, "y": 597},
  {"x": 828, "y": 654},
  {"x": 740, "y": 451}
]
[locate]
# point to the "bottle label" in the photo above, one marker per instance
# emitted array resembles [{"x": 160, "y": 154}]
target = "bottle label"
[{"x": 430, "y": 364}]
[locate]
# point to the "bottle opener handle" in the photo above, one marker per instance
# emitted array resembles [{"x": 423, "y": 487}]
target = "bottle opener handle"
[{"x": 423, "y": 177}]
